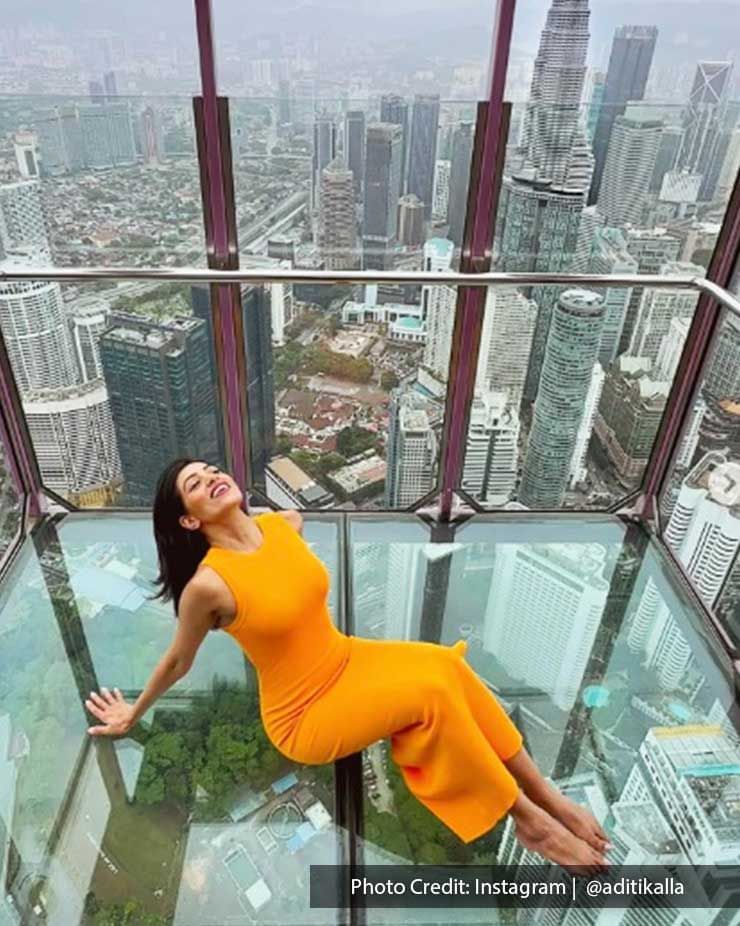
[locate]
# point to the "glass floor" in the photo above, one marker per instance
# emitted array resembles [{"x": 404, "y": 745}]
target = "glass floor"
[{"x": 578, "y": 624}]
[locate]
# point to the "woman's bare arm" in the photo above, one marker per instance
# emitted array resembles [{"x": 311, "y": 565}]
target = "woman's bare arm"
[{"x": 199, "y": 603}]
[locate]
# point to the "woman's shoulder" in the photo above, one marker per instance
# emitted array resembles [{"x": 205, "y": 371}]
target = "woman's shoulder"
[{"x": 206, "y": 586}]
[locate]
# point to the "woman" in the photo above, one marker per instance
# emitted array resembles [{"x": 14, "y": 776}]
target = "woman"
[{"x": 323, "y": 694}]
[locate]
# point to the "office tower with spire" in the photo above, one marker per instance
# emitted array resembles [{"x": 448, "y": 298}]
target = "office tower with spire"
[
  {"x": 354, "y": 148},
  {"x": 324, "y": 150},
  {"x": 395, "y": 110},
  {"x": 462, "y": 153},
  {"x": 423, "y": 149},
  {"x": 382, "y": 191},
  {"x": 338, "y": 217},
  {"x": 702, "y": 123},
  {"x": 626, "y": 78},
  {"x": 630, "y": 161},
  {"x": 551, "y": 123},
  {"x": 571, "y": 351}
]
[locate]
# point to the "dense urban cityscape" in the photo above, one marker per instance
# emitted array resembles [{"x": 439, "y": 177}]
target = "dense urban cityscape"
[{"x": 620, "y": 162}]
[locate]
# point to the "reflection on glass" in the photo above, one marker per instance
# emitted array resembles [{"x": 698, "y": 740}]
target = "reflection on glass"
[{"x": 586, "y": 638}]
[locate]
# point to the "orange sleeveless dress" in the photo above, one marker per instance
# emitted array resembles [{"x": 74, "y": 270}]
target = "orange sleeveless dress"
[{"x": 324, "y": 694}]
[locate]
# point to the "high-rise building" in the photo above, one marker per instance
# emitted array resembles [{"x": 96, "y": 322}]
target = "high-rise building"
[
  {"x": 438, "y": 309},
  {"x": 87, "y": 324},
  {"x": 506, "y": 342},
  {"x": 394, "y": 109},
  {"x": 257, "y": 315},
  {"x": 25, "y": 145},
  {"x": 22, "y": 221},
  {"x": 551, "y": 123},
  {"x": 162, "y": 397},
  {"x": 704, "y": 528},
  {"x": 441, "y": 200},
  {"x": 626, "y": 79},
  {"x": 537, "y": 231},
  {"x": 671, "y": 348},
  {"x": 462, "y": 153},
  {"x": 703, "y": 117},
  {"x": 595, "y": 98},
  {"x": 630, "y": 161},
  {"x": 60, "y": 141},
  {"x": 578, "y": 469},
  {"x": 651, "y": 248},
  {"x": 571, "y": 351},
  {"x": 35, "y": 329},
  {"x": 324, "y": 150},
  {"x": 283, "y": 102},
  {"x": 75, "y": 443},
  {"x": 338, "y": 217},
  {"x": 655, "y": 633},
  {"x": 658, "y": 307},
  {"x": 730, "y": 166},
  {"x": 412, "y": 449},
  {"x": 423, "y": 149},
  {"x": 719, "y": 430},
  {"x": 354, "y": 148},
  {"x": 610, "y": 255},
  {"x": 566, "y": 583},
  {"x": 110, "y": 85},
  {"x": 152, "y": 142},
  {"x": 107, "y": 135},
  {"x": 629, "y": 413},
  {"x": 382, "y": 192},
  {"x": 722, "y": 379},
  {"x": 491, "y": 452},
  {"x": 410, "y": 221}
]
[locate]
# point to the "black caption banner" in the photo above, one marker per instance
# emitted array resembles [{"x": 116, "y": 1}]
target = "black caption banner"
[{"x": 524, "y": 886}]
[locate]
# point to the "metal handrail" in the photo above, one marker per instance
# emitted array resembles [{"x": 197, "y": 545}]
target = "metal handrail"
[{"x": 328, "y": 277}]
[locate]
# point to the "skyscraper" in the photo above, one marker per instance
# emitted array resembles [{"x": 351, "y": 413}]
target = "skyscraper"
[
  {"x": 491, "y": 452},
  {"x": 382, "y": 191},
  {"x": 338, "y": 217},
  {"x": 658, "y": 307},
  {"x": 626, "y": 78},
  {"x": 630, "y": 161},
  {"x": 394, "y": 109},
  {"x": 107, "y": 135},
  {"x": 506, "y": 342},
  {"x": 410, "y": 221},
  {"x": 423, "y": 149},
  {"x": 551, "y": 121},
  {"x": 571, "y": 351},
  {"x": 703, "y": 116},
  {"x": 324, "y": 150},
  {"x": 162, "y": 397},
  {"x": 60, "y": 141},
  {"x": 610, "y": 255},
  {"x": 438, "y": 308},
  {"x": 260, "y": 379},
  {"x": 462, "y": 153},
  {"x": 412, "y": 449},
  {"x": 440, "y": 204},
  {"x": 354, "y": 148},
  {"x": 23, "y": 225}
]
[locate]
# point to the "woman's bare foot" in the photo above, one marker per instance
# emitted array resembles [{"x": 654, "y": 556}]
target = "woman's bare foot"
[
  {"x": 577, "y": 819},
  {"x": 537, "y": 830}
]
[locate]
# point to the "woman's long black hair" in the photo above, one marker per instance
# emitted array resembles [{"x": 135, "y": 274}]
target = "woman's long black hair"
[{"x": 180, "y": 551}]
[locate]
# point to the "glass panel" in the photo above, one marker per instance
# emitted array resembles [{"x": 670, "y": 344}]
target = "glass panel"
[
  {"x": 620, "y": 159},
  {"x": 106, "y": 179},
  {"x": 584, "y": 438},
  {"x": 628, "y": 693},
  {"x": 192, "y": 816},
  {"x": 349, "y": 184},
  {"x": 114, "y": 384},
  {"x": 346, "y": 401},
  {"x": 10, "y": 505},
  {"x": 699, "y": 502}
]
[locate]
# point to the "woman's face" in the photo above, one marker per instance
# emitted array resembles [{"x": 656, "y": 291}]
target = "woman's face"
[{"x": 206, "y": 493}]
